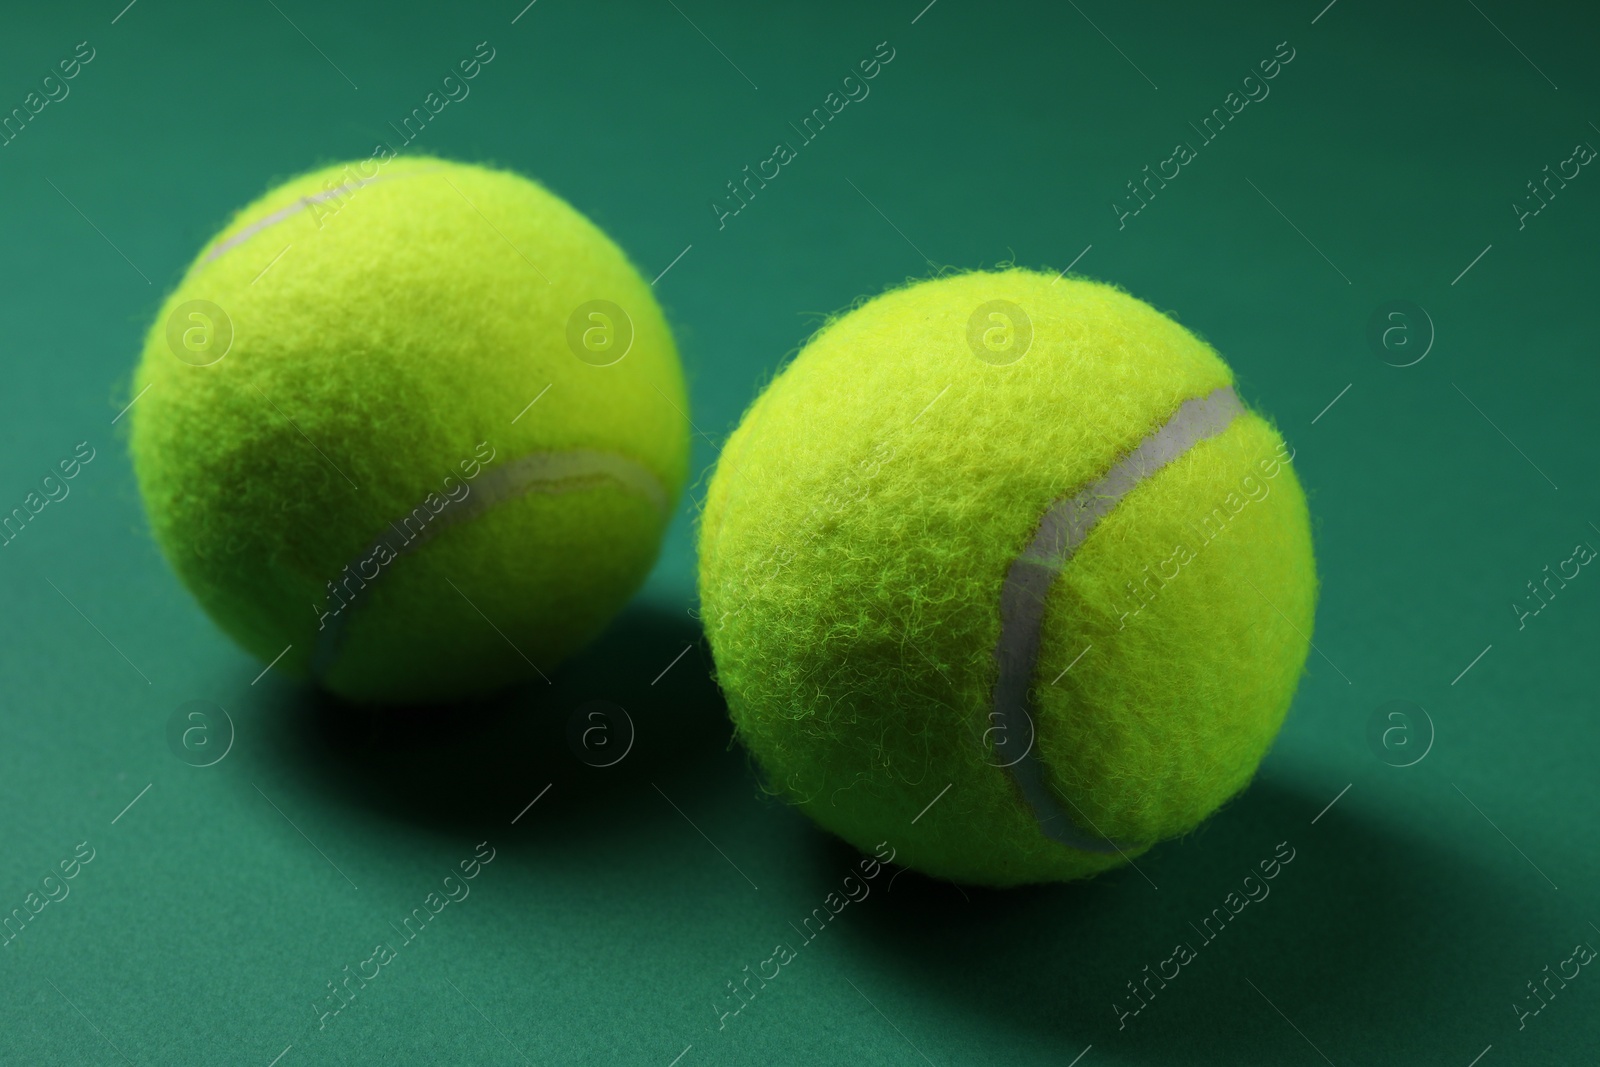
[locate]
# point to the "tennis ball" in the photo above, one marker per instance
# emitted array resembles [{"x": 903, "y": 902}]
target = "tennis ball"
[
  {"x": 1001, "y": 572},
  {"x": 411, "y": 427}
]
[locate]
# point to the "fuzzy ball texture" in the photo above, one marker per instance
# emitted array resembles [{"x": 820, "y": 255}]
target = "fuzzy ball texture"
[
  {"x": 860, "y": 527},
  {"x": 334, "y": 442}
]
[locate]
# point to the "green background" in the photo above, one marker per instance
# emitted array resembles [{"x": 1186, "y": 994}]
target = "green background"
[{"x": 1416, "y": 907}]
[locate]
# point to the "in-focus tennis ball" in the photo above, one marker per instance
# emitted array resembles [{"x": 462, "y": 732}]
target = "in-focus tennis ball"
[
  {"x": 414, "y": 426},
  {"x": 1000, "y": 571}
]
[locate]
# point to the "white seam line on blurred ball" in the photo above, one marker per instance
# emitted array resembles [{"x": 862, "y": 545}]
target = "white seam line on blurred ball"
[{"x": 289, "y": 211}]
